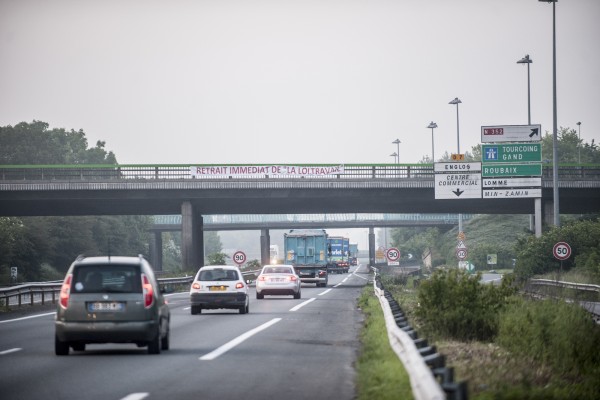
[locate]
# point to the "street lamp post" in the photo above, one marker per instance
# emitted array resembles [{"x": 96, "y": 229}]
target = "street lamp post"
[
  {"x": 534, "y": 219},
  {"x": 394, "y": 154},
  {"x": 432, "y": 126},
  {"x": 397, "y": 143},
  {"x": 554, "y": 122},
  {"x": 579, "y": 144},
  {"x": 457, "y": 102},
  {"x": 527, "y": 60}
]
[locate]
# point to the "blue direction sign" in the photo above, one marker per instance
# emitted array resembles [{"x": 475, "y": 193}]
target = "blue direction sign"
[{"x": 511, "y": 153}]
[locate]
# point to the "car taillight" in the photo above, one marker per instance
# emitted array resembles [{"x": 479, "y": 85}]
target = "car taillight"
[
  {"x": 239, "y": 285},
  {"x": 148, "y": 291},
  {"x": 262, "y": 278},
  {"x": 321, "y": 273},
  {"x": 196, "y": 286},
  {"x": 65, "y": 291},
  {"x": 293, "y": 278}
]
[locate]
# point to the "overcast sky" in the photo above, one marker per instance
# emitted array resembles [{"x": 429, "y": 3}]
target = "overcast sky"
[{"x": 294, "y": 81}]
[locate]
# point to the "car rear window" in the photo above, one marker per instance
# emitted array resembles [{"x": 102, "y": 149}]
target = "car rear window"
[
  {"x": 278, "y": 270},
  {"x": 113, "y": 278},
  {"x": 218, "y": 274}
]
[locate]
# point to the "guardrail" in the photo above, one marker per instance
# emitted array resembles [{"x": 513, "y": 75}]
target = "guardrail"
[
  {"x": 565, "y": 285},
  {"x": 42, "y": 293},
  {"x": 421, "y": 361},
  {"x": 586, "y": 295},
  {"x": 89, "y": 172}
]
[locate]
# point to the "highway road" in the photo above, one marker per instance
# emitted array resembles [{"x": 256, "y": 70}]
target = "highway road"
[{"x": 284, "y": 348}]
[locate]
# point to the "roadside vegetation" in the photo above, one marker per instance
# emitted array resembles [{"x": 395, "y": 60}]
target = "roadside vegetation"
[{"x": 504, "y": 344}]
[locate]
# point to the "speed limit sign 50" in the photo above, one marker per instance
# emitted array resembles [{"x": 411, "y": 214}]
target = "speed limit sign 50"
[
  {"x": 239, "y": 257},
  {"x": 561, "y": 251}
]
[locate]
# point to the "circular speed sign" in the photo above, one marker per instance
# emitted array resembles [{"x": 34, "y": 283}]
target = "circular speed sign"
[
  {"x": 392, "y": 254},
  {"x": 239, "y": 257},
  {"x": 561, "y": 251}
]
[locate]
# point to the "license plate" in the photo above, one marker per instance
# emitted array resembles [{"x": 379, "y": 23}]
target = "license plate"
[
  {"x": 277, "y": 279},
  {"x": 217, "y": 288},
  {"x": 100, "y": 306},
  {"x": 304, "y": 273}
]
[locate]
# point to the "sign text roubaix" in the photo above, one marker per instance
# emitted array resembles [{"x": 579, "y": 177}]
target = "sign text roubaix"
[
  {"x": 511, "y": 133},
  {"x": 457, "y": 180}
]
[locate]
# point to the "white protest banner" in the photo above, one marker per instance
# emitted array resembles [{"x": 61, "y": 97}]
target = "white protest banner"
[{"x": 262, "y": 170}]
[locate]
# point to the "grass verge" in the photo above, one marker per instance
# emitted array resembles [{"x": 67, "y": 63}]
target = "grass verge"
[{"x": 381, "y": 375}]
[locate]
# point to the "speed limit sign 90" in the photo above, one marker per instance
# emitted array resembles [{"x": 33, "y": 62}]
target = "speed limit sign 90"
[
  {"x": 561, "y": 251},
  {"x": 239, "y": 257},
  {"x": 393, "y": 254}
]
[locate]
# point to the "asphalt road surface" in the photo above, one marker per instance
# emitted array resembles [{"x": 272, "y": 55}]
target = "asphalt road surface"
[{"x": 284, "y": 348}]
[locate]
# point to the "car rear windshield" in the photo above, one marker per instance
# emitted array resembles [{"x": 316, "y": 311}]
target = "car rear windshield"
[
  {"x": 277, "y": 270},
  {"x": 103, "y": 278},
  {"x": 218, "y": 274}
]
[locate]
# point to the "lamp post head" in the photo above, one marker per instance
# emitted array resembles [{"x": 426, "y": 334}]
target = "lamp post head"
[
  {"x": 397, "y": 141},
  {"x": 432, "y": 125},
  {"x": 455, "y": 101},
  {"x": 549, "y": 1},
  {"x": 579, "y": 123},
  {"x": 525, "y": 60},
  {"x": 394, "y": 154}
]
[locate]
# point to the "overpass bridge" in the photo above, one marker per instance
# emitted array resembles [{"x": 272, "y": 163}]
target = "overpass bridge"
[
  {"x": 194, "y": 191},
  {"x": 164, "y": 223}
]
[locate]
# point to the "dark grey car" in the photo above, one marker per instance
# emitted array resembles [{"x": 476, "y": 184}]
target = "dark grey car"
[{"x": 111, "y": 300}]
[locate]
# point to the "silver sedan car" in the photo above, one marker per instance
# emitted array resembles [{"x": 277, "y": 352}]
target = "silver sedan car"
[{"x": 278, "y": 280}]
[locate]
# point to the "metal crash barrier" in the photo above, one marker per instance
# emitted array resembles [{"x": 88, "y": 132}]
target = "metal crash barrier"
[{"x": 429, "y": 377}]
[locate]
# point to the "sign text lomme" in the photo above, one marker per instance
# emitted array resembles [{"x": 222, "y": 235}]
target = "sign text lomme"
[{"x": 261, "y": 170}]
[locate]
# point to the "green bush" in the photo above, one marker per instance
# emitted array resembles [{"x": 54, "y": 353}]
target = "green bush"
[
  {"x": 457, "y": 305},
  {"x": 555, "y": 333}
]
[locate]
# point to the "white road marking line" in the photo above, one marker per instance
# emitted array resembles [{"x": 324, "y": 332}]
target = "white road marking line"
[
  {"x": 299, "y": 306},
  {"x": 29, "y": 317},
  {"x": 238, "y": 340},
  {"x": 136, "y": 396},
  {"x": 186, "y": 308},
  {"x": 10, "y": 351},
  {"x": 322, "y": 293}
]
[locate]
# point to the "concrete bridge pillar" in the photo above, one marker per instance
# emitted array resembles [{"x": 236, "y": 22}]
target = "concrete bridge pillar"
[
  {"x": 156, "y": 253},
  {"x": 192, "y": 237},
  {"x": 372, "y": 246},
  {"x": 265, "y": 247},
  {"x": 548, "y": 211}
]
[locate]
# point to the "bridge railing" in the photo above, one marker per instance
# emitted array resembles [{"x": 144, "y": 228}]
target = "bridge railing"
[
  {"x": 181, "y": 172},
  {"x": 145, "y": 172}
]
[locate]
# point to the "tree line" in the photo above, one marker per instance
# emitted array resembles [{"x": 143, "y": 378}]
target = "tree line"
[{"x": 42, "y": 248}]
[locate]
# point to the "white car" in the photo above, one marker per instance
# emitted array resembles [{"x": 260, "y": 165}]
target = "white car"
[
  {"x": 278, "y": 279},
  {"x": 219, "y": 286}
]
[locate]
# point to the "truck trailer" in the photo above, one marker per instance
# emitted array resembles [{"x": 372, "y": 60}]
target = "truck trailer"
[
  {"x": 307, "y": 251},
  {"x": 338, "y": 260}
]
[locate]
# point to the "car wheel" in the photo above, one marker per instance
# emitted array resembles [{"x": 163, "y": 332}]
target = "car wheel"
[
  {"x": 154, "y": 344},
  {"x": 60, "y": 348},
  {"x": 196, "y": 310},
  {"x": 297, "y": 295},
  {"x": 79, "y": 346},
  {"x": 245, "y": 308},
  {"x": 165, "y": 342},
  {"x": 259, "y": 296}
]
